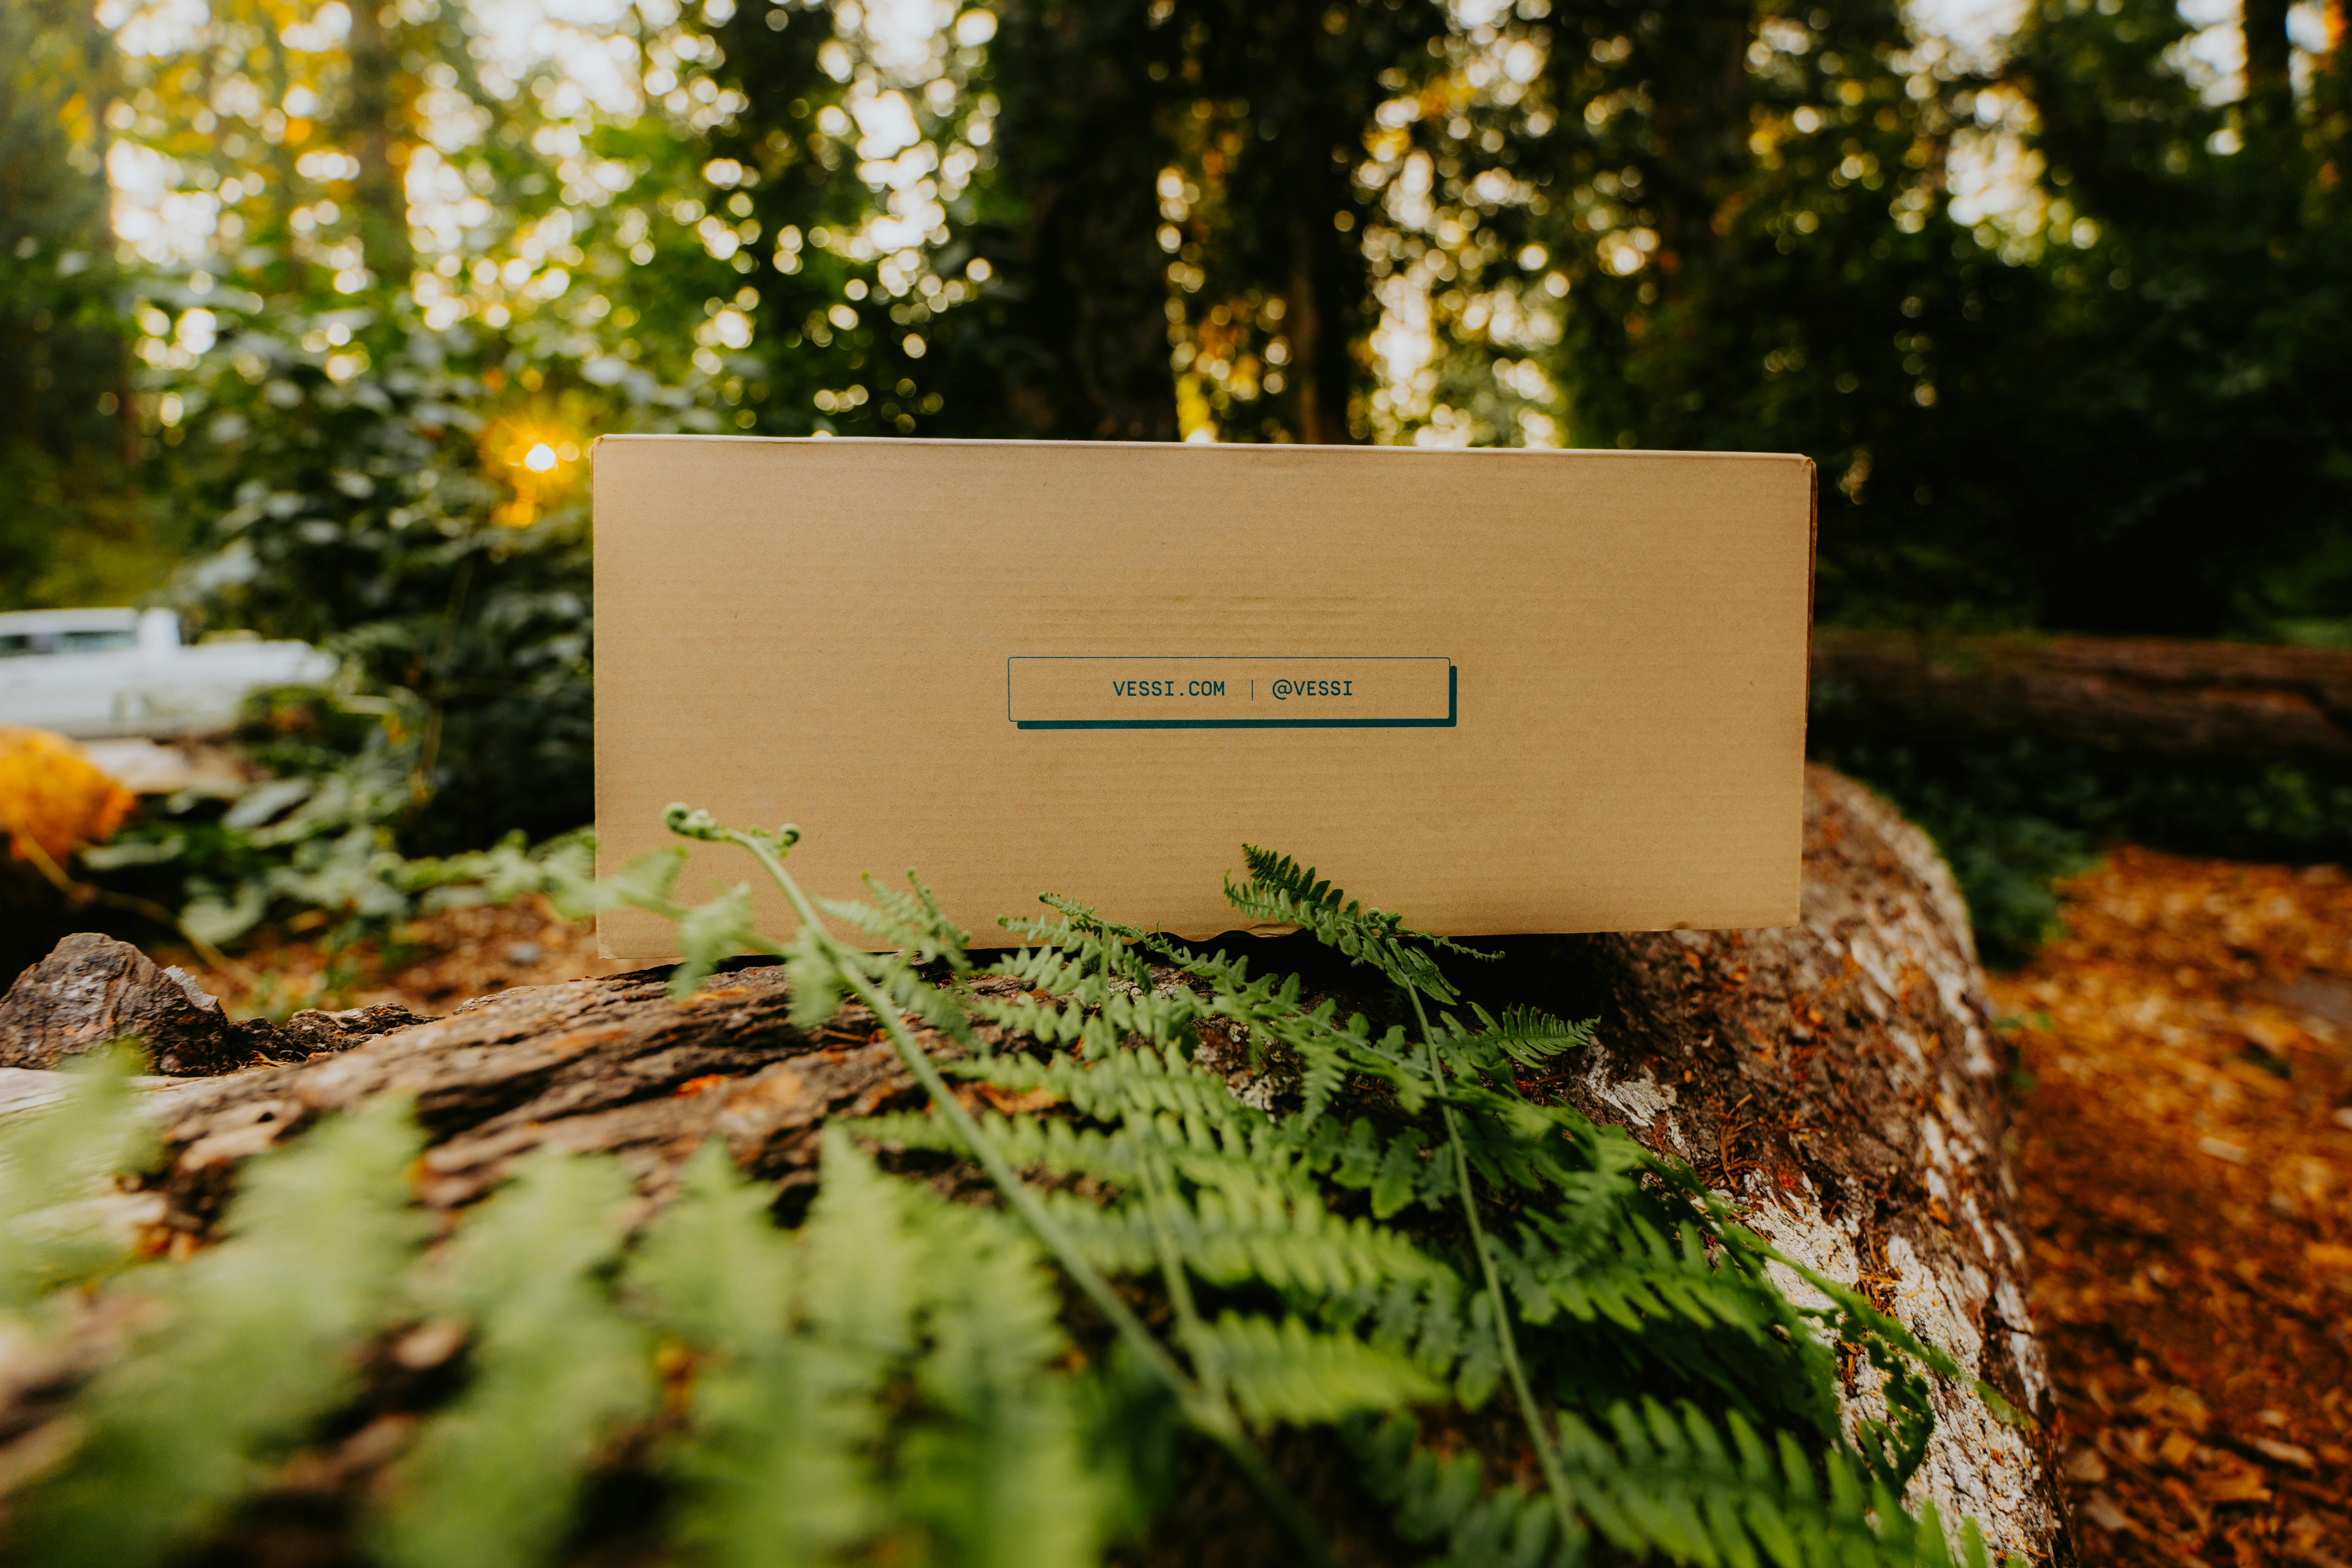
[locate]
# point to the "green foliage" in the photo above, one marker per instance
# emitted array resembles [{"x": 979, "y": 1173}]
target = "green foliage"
[
  {"x": 322, "y": 839},
  {"x": 1382, "y": 1246},
  {"x": 53, "y": 1161},
  {"x": 1673, "y": 1481},
  {"x": 254, "y": 1346},
  {"x": 1640, "y": 1282},
  {"x": 2014, "y": 816},
  {"x": 378, "y": 518},
  {"x": 555, "y": 1364},
  {"x": 76, "y": 526},
  {"x": 805, "y": 1340}
]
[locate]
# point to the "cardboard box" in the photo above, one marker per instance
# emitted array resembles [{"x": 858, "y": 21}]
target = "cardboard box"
[{"x": 1496, "y": 690}]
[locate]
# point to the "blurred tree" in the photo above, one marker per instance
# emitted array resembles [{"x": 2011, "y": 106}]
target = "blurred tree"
[
  {"x": 2184, "y": 460},
  {"x": 373, "y": 382},
  {"x": 2045, "y": 316},
  {"x": 73, "y": 527},
  {"x": 1071, "y": 338},
  {"x": 1747, "y": 208},
  {"x": 831, "y": 183}
]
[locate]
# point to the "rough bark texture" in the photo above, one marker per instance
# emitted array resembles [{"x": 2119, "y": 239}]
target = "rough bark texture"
[
  {"x": 91, "y": 990},
  {"x": 611, "y": 1066},
  {"x": 2203, "y": 703},
  {"x": 1839, "y": 1077}
]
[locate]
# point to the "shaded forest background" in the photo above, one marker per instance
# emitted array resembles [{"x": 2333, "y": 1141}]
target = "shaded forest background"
[{"x": 308, "y": 314}]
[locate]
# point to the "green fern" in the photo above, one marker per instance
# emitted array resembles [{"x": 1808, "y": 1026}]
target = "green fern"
[
  {"x": 885, "y": 1297},
  {"x": 1001, "y": 1478},
  {"x": 54, "y": 1160},
  {"x": 1654, "y": 1480},
  {"x": 774, "y": 1467},
  {"x": 253, "y": 1348},
  {"x": 1404, "y": 1234},
  {"x": 492, "y": 1479}
]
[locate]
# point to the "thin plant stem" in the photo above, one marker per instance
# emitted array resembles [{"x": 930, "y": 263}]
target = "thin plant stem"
[{"x": 1547, "y": 1456}]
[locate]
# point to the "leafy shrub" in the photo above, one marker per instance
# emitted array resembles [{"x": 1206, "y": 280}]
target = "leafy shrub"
[
  {"x": 378, "y": 516},
  {"x": 322, "y": 838},
  {"x": 1380, "y": 1236},
  {"x": 2014, "y": 816}
]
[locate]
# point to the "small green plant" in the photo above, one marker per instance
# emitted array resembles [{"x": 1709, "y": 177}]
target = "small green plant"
[{"x": 1378, "y": 1235}]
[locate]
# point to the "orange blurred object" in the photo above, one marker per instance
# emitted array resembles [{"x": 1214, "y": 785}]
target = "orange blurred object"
[{"x": 52, "y": 798}]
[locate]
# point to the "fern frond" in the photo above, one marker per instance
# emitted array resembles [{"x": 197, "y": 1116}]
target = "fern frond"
[
  {"x": 493, "y": 1479},
  {"x": 1527, "y": 1036},
  {"x": 1280, "y": 891},
  {"x": 1140, "y": 1082},
  {"x": 709, "y": 934},
  {"x": 1447, "y": 1500},
  {"x": 256, "y": 1347},
  {"x": 1094, "y": 1012},
  {"x": 1287, "y": 1371},
  {"x": 718, "y": 1272},
  {"x": 774, "y": 1464},
  {"x": 1664, "y": 1480},
  {"x": 645, "y": 882},
  {"x": 865, "y": 1268},
  {"x": 1863, "y": 1323},
  {"x": 911, "y": 920},
  {"x": 1228, "y": 1238},
  {"x": 55, "y": 1158},
  {"x": 1283, "y": 893},
  {"x": 1004, "y": 1481}
]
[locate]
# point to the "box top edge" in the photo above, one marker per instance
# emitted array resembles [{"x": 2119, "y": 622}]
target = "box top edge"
[{"x": 1260, "y": 448}]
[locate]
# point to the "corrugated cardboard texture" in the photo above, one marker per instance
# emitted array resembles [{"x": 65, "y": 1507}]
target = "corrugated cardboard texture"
[{"x": 855, "y": 636}]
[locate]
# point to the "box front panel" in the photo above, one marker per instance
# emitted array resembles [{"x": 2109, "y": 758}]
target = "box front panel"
[{"x": 1500, "y": 691}]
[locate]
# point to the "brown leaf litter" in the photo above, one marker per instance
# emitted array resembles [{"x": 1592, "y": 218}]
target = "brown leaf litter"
[{"x": 2185, "y": 1143}]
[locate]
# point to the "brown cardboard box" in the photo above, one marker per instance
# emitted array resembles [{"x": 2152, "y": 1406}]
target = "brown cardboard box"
[{"x": 1496, "y": 690}]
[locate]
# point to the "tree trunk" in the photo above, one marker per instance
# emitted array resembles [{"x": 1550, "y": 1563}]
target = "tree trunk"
[
  {"x": 1839, "y": 1078},
  {"x": 2190, "y": 701},
  {"x": 374, "y": 107}
]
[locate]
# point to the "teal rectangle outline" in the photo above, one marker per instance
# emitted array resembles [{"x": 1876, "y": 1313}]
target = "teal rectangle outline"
[{"x": 1453, "y": 703}]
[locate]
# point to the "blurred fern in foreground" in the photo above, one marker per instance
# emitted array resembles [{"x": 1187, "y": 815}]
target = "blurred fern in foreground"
[{"x": 1379, "y": 1237}]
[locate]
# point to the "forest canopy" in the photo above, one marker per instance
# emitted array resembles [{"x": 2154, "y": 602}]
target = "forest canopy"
[{"x": 311, "y": 313}]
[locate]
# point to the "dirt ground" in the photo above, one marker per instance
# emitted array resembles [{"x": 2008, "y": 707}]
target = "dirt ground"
[
  {"x": 2185, "y": 1143},
  {"x": 439, "y": 961},
  {"x": 2184, "y": 1074}
]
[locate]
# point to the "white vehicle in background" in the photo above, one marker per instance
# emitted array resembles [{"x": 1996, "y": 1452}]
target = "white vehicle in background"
[{"x": 97, "y": 673}]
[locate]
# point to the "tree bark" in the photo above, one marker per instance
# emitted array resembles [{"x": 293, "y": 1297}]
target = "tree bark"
[
  {"x": 1838, "y": 1079},
  {"x": 2229, "y": 703},
  {"x": 1841, "y": 1078}
]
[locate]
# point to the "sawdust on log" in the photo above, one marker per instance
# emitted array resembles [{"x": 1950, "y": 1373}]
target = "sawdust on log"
[{"x": 2185, "y": 1122}]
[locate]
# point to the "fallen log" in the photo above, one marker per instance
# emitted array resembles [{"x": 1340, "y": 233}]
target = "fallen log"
[
  {"x": 2200, "y": 703},
  {"x": 1841, "y": 1077},
  {"x": 1838, "y": 1079}
]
